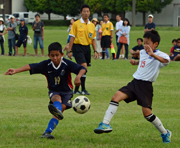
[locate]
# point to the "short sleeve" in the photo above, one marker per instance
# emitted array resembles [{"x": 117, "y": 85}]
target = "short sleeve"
[
  {"x": 165, "y": 56},
  {"x": 94, "y": 34},
  {"x": 42, "y": 23},
  {"x": 172, "y": 49},
  {"x": 145, "y": 26},
  {"x": 74, "y": 68},
  {"x": 26, "y": 29},
  {"x": 38, "y": 68},
  {"x": 112, "y": 26},
  {"x": 73, "y": 30},
  {"x": 154, "y": 25},
  {"x": 134, "y": 48}
]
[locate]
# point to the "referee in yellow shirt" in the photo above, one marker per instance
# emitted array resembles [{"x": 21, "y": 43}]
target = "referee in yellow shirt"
[
  {"x": 107, "y": 35},
  {"x": 82, "y": 35}
]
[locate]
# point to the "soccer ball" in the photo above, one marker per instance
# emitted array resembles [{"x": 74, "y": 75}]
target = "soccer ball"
[{"x": 81, "y": 104}]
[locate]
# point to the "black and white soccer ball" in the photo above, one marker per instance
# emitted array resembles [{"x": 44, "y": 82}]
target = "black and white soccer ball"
[{"x": 81, "y": 104}]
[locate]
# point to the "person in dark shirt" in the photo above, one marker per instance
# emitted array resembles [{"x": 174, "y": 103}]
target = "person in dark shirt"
[
  {"x": 175, "y": 56},
  {"x": 136, "y": 50},
  {"x": 150, "y": 25},
  {"x": 58, "y": 71},
  {"x": 22, "y": 38}
]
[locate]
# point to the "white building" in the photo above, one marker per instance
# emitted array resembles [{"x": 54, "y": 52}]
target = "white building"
[{"x": 170, "y": 16}]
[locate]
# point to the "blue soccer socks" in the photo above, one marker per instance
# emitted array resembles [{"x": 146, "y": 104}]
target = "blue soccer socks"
[
  {"x": 51, "y": 126},
  {"x": 58, "y": 105}
]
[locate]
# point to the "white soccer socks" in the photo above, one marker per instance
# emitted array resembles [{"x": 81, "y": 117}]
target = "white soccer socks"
[
  {"x": 110, "y": 112},
  {"x": 157, "y": 123}
]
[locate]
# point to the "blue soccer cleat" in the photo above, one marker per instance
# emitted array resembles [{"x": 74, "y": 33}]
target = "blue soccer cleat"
[
  {"x": 103, "y": 128},
  {"x": 166, "y": 137}
]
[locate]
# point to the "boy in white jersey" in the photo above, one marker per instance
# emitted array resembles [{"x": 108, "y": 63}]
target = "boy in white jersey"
[{"x": 140, "y": 88}]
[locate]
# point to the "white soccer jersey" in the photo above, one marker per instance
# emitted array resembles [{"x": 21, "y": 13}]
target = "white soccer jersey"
[{"x": 149, "y": 67}]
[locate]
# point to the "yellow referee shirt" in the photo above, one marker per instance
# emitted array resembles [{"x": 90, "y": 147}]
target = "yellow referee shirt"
[
  {"x": 107, "y": 28},
  {"x": 83, "y": 33}
]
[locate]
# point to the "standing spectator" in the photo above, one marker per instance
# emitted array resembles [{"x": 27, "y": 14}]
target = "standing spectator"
[
  {"x": 124, "y": 32},
  {"x": 11, "y": 28},
  {"x": 119, "y": 23},
  {"x": 174, "y": 42},
  {"x": 150, "y": 25},
  {"x": 136, "y": 50},
  {"x": 38, "y": 28},
  {"x": 107, "y": 34},
  {"x": 82, "y": 34},
  {"x": 69, "y": 37},
  {"x": 23, "y": 37},
  {"x": 2, "y": 28},
  {"x": 98, "y": 37}
]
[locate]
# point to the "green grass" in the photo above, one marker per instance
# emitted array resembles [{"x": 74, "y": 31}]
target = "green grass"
[{"x": 24, "y": 100}]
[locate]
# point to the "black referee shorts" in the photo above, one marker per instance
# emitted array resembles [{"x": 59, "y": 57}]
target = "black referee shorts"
[
  {"x": 82, "y": 54},
  {"x": 106, "y": 41},
  {"x": 139, "y": 90}
]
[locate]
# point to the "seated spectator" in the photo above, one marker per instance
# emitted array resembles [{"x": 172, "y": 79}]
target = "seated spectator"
[
  {"x": 175, "y": 56},
  {"x": 135, "y": 50},
  {"x": 172, "y": 48}
]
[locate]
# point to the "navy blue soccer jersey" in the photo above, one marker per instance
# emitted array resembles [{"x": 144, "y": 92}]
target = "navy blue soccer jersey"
[
  {"x": 23, "y": 32},
  {"x": 58, "y": 78},
  {"x": 138, "y": 48},
  {"x": 176, "y": 50}
]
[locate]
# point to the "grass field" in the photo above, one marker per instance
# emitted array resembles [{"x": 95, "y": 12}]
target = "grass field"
[{"x": 23, "y": 103}]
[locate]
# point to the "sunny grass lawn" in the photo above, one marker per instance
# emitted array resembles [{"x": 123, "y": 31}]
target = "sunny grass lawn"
[{"x": 24, "y": 100}]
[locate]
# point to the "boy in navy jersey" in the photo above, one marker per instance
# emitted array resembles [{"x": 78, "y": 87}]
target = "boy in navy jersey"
[
  {"x": 58, "y": 73},
  {"x": 136, "y": 50},
  {"x": 140, "y": 88},
  {"x": 175, "y": 56}
]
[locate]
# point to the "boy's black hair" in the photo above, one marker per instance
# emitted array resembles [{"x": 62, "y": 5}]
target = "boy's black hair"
[
  {"x": 153, "y": 35},
  {"x": 174, "y": 40},
  {"x": 37, "y": 15},
  {"x": 84, "y": 6},
  {"x": 140, "y": 39},
  {"x": 127, "y": 21},
  {"x": 178, "y": 40},
  {"x": 118, "y": 15},
  {"x": 55, "y": 46},
  {"x": 105, "y": 14}
]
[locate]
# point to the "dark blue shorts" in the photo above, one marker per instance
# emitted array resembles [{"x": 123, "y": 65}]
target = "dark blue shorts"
[
  {"x": 20, "y": 42},
  {"x": 65, "y": 97}
]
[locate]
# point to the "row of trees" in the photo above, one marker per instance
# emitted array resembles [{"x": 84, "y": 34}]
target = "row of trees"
[{"x": 65, "y": 7}]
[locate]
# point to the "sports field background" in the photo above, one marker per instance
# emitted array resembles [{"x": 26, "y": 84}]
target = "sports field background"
[{"x": 24, "y": 99}]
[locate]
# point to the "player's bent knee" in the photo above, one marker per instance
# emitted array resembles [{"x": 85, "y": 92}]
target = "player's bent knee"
[
  {"x": 119, "y": 96},
  {"x": 56, "y": 98}
]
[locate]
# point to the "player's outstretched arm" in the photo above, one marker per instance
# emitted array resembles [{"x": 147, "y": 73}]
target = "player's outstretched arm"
[
  {"x": 134, "y": 62},
  {"x": 77, "y": 80},
  {"x": 13, "y": 71}
]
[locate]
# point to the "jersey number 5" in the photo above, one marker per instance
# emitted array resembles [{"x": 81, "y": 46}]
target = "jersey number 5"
[
  {"x": 143, "y": 64},
  {"x": 57, "y": 80}
]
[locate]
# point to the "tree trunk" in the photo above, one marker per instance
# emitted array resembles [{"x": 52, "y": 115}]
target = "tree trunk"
[
  {"x": 122, "y": 14},
  {"x": 64, "y": 17},
  {"x": 49, "y": 16},
  {"x": 144, "y": 18}
]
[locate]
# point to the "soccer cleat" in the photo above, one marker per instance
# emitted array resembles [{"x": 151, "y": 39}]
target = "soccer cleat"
[
  {"x": 77, "y": 92},
  {"x": 166, "y": 137},
  {"x": 103, "y": 128},
  {"x": 85, "y": 92},
  {"x": 56, "y": 112},
  {"x": 47, "y": 135}
]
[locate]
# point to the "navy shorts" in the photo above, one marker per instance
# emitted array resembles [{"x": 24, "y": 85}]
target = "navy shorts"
[
  {"x": 139, "y": 90},
  {"x": 20, "y": 42},
  {"x": 65, "y": 97}
]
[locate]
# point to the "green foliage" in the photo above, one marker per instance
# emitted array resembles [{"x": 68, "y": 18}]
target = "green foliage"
[
  {"x": 61, "y": 7},
  {"x": 151, "y": 5}
]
